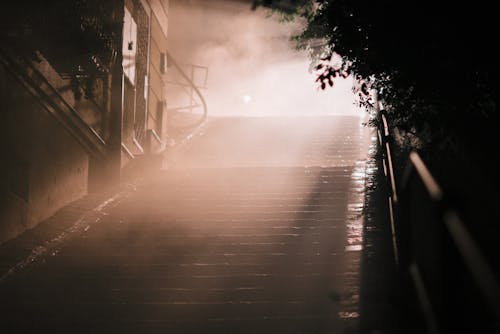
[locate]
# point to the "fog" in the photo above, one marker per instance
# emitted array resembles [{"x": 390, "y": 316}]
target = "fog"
[{"x": 253, "y": 67}]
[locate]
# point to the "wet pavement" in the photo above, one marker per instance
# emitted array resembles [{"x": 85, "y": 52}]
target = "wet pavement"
[{"x": 253, "y": 227}]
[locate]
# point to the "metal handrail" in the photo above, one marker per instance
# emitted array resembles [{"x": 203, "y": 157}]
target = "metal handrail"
[
  {"x": 468, "y": 249},
  {"x": 38, "y": 85},
  {"x": 195, "y": 89},
  {"x": 433, "y": 188}
]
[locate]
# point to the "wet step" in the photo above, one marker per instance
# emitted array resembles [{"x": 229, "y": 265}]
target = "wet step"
[{"x": 240, "y": 235}]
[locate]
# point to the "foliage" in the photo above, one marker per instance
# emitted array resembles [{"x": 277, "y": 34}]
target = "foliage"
[
  {"x": 78, "y": 37},
  {"x": 430, "y": 62}
]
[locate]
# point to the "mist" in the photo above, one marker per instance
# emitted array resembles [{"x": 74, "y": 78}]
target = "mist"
[{"x": 253, "y": 66}]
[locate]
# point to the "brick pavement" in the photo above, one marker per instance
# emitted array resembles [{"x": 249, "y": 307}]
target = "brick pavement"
[{"x": 255, "y": 227}]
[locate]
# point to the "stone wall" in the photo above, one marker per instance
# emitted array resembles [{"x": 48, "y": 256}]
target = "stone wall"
[{"x": 42, "y": 167}]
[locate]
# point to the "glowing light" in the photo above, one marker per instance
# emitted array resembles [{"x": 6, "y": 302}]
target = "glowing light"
[{"x": 247, "y": 99}]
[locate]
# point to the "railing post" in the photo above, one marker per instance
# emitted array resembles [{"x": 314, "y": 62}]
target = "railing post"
[{"x": 392, "y": 193}]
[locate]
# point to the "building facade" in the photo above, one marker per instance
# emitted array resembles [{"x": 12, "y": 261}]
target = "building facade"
[{"x": 72, "y": 120}]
